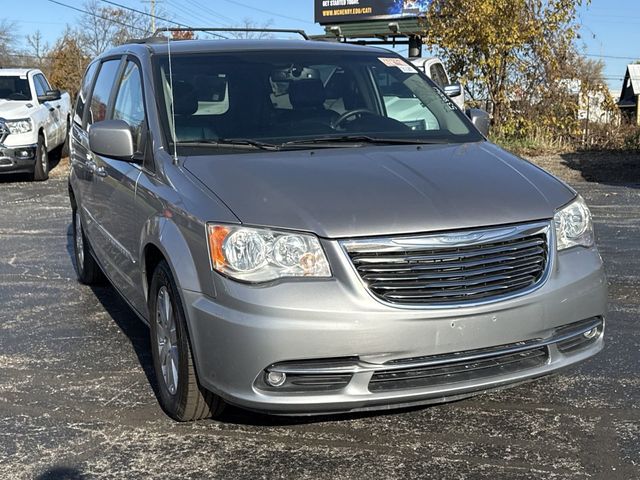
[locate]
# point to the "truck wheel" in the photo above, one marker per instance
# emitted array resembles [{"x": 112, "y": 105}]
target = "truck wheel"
[
  {"x": 87, "y": 269},
  {"x": 41, "y": 168},
  {"x": 181, "y": 395}
]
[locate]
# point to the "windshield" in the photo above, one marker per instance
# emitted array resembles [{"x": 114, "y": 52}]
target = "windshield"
[
  {"x": 283, "y": 98},
  {"x": 14, "y": 88}
]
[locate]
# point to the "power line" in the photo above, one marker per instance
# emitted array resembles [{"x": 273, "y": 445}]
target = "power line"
[
  {"x": 268, "y": 12},
  {"x": 610, "y": 56},
  {"x": 211, "y": 11},
  {"x": 155, "y": 16},
  {"x": 96, "y": 15},
  {"x": 187, "y": 12},
  {"x": 142, "y": 13}
]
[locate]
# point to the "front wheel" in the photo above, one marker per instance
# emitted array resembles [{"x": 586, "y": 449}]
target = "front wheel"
[
  {"x": 87, "y": 269},
  {"x": 41, "y": 168},
  {"x": 181, "y": 395}
]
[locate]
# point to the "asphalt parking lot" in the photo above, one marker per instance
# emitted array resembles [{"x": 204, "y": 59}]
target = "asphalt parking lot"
[{"x": 77, "y": 396}]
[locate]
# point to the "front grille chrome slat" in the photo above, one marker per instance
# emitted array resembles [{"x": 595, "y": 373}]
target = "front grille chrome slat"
[
  {"x": 453, "y": 268},
  {"x": 452, "y": 273}
]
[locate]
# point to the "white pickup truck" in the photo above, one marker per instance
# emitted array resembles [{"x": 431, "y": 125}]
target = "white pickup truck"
[
  {"x": 34, "y": 122},
  {"x": 434, "y": 69}
]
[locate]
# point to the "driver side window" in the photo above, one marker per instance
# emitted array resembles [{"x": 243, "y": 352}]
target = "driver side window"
[
  {"x": 129, "y": 105},
  {"x": 40, "y": 86}
]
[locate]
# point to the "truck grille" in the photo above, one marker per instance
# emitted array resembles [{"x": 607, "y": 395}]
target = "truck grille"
[{"x": 453, "y": 268}]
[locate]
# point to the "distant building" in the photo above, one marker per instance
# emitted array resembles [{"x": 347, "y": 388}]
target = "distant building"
[{"x": 630, "y": 96}]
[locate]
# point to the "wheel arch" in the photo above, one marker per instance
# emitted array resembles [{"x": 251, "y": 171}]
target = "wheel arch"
[{"x": 163, "y": 240}]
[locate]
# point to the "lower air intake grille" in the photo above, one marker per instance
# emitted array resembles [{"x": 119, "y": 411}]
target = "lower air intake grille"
[{"x": 451, "y": 373}]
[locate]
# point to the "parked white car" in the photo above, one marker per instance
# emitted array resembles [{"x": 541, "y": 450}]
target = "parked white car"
[
  {"x": 34, "y": 122},
  {"x": 433, "y": 68}
]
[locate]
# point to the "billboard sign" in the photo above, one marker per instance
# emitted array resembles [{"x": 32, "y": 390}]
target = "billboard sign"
[{"x": 337, "y": 11}]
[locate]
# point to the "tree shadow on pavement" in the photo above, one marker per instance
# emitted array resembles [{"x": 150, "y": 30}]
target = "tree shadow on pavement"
[{"x": 613, "y": 168}]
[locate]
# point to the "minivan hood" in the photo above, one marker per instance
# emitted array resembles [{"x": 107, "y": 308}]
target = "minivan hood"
[{"x": 381, "y": 190}]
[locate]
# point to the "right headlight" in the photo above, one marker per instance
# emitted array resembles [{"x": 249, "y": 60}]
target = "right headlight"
[
  {"x": 261, "y": 255},
  {"x": 23, "y": 125},
  {"x": 573, "y": 225}
]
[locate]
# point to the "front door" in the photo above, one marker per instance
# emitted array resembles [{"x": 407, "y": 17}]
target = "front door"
[
  {"x": 115, "y": 209},
  {"x": 53, "y": 120}
]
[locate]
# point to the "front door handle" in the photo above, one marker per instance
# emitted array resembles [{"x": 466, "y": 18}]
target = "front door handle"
[{"x": 100, "y": 172}]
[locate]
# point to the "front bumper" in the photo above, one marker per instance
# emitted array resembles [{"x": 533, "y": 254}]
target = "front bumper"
[
  {"x": 19, "y": 159},
  {"x": 248, "y": 330}
]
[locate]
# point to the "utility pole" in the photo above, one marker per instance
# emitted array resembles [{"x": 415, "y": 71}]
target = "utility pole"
[
  {"x": 153, "y": 15},
  {"x": 152, "y": 12}
]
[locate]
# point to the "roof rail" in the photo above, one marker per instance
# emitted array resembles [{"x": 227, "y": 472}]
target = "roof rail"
[{"x": 302, "y": 33}]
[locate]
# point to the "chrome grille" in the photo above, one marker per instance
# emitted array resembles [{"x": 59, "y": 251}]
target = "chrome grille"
[{"x": 453, "y": 268}]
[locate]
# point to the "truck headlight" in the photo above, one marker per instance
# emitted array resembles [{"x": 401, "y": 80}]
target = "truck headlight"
[
  {"x": 260, "y": 254},
  {"x": 573, "y": 225},
  {"x": 19, "y": 126}
]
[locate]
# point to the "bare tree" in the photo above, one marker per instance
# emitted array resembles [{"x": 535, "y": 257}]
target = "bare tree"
[
  {"x": 37, "y": 49},
  {"x": 103, "y": 27},
  {"x": 7, "y": 42},
  {"x": 249, "y": 24}
]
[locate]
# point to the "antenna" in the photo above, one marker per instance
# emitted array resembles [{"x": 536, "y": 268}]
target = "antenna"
[{"x": 173, "y": 111}]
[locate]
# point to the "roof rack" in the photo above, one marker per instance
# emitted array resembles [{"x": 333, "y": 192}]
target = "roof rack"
[{"x": 302, "y": 33}]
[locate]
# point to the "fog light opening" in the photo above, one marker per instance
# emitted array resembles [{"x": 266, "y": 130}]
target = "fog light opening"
[
  {"x": 23, "y": 153},
  {"x": 591, "y": 333},
  {"x": 276, "y": 379}
]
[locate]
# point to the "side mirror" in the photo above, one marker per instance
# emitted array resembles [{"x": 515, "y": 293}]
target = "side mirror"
[
  {"x": 111, "y": 138},
  {"x": 453, "y": 90},
  {"x": 50, "y": 95},
  {"x": 480, "y": 119}
]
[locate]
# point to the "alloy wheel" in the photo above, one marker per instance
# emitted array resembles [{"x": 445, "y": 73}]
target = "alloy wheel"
[{"x": 167, "y": 340}]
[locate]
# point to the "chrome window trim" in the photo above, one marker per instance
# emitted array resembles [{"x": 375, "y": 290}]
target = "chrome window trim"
[{"x": 459, "y": 238}]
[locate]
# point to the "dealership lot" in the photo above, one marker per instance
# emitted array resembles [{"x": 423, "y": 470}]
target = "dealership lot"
[{"x": 77, "y": 391}]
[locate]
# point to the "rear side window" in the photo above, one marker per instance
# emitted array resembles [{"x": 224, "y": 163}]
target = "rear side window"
[
  {"x": 84, "y": 92},
  {"x": 129, "y": 104},
  {"x": 102, "y": 91}
]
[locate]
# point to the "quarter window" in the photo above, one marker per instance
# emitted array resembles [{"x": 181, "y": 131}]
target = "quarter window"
[
  {"x": 84, "y": 92},
  {"x": 129, "y": 105},
  {"x": 102, "y": 91}
]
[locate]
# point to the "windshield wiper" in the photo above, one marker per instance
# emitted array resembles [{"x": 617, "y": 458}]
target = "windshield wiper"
[
  {"x": 231, "y": 143},
  {"x": 359, "y": 139}
]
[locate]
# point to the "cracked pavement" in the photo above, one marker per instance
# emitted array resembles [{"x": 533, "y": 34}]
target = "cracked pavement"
[{"x": 77, "y": 392}]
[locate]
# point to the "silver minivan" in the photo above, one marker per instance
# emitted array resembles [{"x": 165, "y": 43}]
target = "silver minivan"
[{"x": 298, "y": 245}]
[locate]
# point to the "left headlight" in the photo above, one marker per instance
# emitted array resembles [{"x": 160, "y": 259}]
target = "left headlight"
[
  {"x": 573, "y": 225},
  {"x": 260, "y": 254},
  {"x": 19, "y": 126}
]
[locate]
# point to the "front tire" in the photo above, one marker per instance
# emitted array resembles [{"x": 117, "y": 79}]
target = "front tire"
[
  {"x": 41, "y": 168},
  {"x": 181, "y": 395},
  {"x": 87, "y": 269}
]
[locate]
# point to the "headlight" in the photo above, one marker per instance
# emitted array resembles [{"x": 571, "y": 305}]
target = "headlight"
[
  {"x": 261, "y": 255},
  {"x": 573, "y": 225},
  {"x": 19, "y": 126}
]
